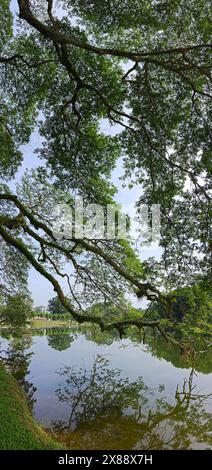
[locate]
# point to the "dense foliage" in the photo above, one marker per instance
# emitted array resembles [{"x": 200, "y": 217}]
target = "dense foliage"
[{"x": 16, "y": 311}]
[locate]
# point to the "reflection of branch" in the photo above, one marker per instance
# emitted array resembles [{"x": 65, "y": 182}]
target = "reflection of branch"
[
  {"x": 106, "y": 389},
  {"x": 81, "y": 393},
  {"x": 183, "y": 399}
]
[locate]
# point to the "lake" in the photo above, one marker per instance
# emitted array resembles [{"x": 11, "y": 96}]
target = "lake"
[{"x": 97, "y": 391}]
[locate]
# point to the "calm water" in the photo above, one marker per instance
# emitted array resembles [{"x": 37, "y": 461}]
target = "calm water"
[{"x": 97, "y": 391}]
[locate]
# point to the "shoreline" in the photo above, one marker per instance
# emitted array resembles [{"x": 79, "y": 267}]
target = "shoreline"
[{"x": 18, "y": 428}]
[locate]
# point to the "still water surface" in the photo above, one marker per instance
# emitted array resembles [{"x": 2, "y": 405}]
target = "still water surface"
[{"x": 96, "y": 391}]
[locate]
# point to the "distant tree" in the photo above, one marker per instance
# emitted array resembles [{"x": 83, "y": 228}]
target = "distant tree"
[
  {"x": 55, "y": 306},
  {"x": 48, "y": 316},
  {"x": 110, "y": 312},
  {"x": 40, "y": 309}
]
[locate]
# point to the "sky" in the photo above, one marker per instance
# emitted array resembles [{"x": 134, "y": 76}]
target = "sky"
[{"x": 41, "y": 290}]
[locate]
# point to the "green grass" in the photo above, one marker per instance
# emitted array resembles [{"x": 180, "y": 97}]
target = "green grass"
[
  {"x": 18, "y": 430},
  {"x": 43, "y": 323}
]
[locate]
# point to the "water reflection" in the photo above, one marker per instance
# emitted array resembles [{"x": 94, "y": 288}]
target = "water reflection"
[
  {"x": 99, "y": 392},
  {"x": 17, "y": 360},
  {"x": 60, "y": 339},
  {"x": 110, "y": 412},
  {"x": 202, "y": 360},
  {"x": 158, "y": 346},
  {"x": 107, "y": 393}
]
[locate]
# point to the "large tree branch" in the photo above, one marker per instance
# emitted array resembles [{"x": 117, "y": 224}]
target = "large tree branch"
[{"x": 57, "y": 36}]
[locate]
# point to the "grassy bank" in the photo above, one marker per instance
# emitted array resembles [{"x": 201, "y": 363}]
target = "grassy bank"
[
  {"x": 43, "y": 323},
  {"x": 18, "y": 430}
]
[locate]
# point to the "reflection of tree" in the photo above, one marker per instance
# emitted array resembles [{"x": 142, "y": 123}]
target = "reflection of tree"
[
  {"x": 93, "y": 333},
  {"x": 18, "y": 361},
  {"x": 99, "y": 391},
  {"x": 60, "y": 339},
  {"x": 181, "y": 424},
  {"x": 108, "y": 411},
  {"x": 158, "y": 346},
  {"x": 162, "y": 349},
  {"x": 201, "y": 359}
]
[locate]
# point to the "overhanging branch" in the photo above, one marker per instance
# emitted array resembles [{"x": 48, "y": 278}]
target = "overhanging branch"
[{"x": 22, "y": 248}]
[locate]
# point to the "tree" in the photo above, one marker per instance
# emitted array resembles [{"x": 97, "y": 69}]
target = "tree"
[
  {"x": 56, "y": 307},
  {"x": 109, "y": 311},
  {"x": 16, "y": 311},
  {"x": 152, "y": 79},
  {"x": 193, "y": 301},
  {"x": 40, "y": 310}
]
